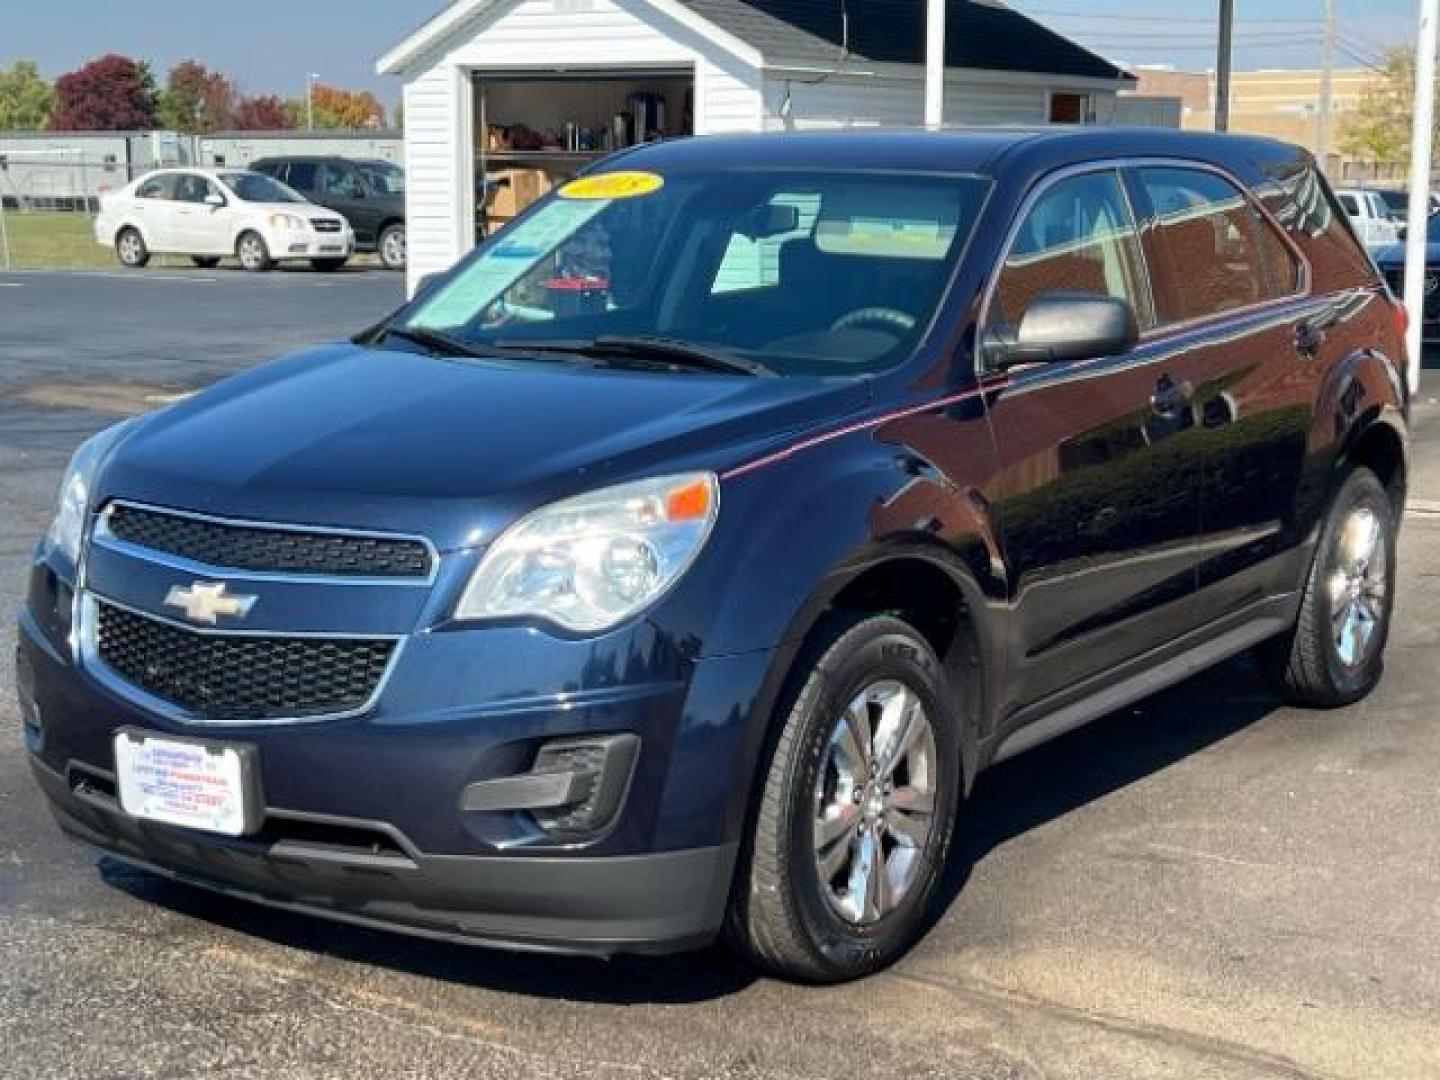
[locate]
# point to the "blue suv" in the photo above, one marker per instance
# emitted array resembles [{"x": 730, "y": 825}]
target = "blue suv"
[{"x": 670, "y": 567}]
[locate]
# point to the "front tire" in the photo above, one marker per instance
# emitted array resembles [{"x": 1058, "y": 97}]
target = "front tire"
[
  {"x": 130, "y": 248},
  {"x": 857, "y": 808},
  {"x": 391, "y": 246},
  {"x": 254, "y": 255},
  {"x": 1335, "y": 654}
]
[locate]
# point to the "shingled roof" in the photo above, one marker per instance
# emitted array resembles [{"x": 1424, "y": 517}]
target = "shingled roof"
[{"x": 981, "y": 34}]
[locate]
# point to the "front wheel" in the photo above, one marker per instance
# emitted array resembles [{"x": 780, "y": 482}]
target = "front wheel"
[
  {"x": 1335, "y": 653},
  {"x": 392, "y": 247},
  {"x": 254, "y": 255},
  {"x": 857, "y": 809}
]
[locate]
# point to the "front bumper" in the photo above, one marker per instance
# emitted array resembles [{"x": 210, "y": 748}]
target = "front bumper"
[
  {"x": 364, "y": 818},
  {"x": 308, "y": 244},
  {"x": 661, "y": 902}
]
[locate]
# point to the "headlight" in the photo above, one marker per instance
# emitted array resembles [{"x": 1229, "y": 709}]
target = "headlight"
[
  {"x": 591, "y": 562},
  {"x": 286, "y": 221},
  {"x": 76, "y": 488}
]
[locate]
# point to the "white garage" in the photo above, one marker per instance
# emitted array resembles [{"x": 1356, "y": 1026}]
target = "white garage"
[{"x": 505, "y": 98}]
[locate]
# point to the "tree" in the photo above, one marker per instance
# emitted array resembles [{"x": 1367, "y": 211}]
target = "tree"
[
  {"x": 197, "y": 100},
  {"x": 337, "y": 108},
  {"x": 265, "y": 113},
  {"x": 1380, "y": 130},
  {"x": 26, "y": 99},
  {"x": 114, "y": 93}
]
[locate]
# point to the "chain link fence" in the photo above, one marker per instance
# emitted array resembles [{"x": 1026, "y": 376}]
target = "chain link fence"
[{"x": 48, "y": 202}]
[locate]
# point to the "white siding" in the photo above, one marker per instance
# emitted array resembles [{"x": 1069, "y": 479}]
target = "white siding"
[{"x": 542, "y": 34}]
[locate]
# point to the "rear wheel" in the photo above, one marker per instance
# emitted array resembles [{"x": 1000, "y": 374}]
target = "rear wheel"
[
  {"x": 328, "y": 265},
  {"x": 1335, "y": 654},
  {"x": 130, "y": 248},
  {"x": 857, "y": 809},
  {"x": 391, "y": 246},
  {"x": 205, "y": 262},
  {"x": 254, "y": 255}
]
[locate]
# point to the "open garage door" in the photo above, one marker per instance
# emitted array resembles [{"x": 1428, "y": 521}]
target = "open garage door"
[{"x": 535, "y": 129}]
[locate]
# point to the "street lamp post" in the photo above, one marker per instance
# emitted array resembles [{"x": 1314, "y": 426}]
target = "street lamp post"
[{"x": 310, "y": 101}]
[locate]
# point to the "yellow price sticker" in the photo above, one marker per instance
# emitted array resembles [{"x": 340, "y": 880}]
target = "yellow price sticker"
[{"x": 615, "y": 185}]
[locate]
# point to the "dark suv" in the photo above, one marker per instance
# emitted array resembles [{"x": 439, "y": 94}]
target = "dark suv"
[
  {"x": 370, "y": 195},
  {"x": 671, "y": 566}
]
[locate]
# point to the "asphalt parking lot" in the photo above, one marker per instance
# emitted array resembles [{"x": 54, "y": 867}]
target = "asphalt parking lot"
[{"x": 1205, "y": 885}]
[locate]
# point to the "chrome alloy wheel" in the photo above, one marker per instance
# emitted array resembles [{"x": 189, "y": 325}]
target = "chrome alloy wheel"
[
  {"x": 252, "y": 252},
  {"x": 131, "y": 249},
  {"x": 875, "y": 802},
  {"x": 392, "y": 251},
  {"x": 1356, "y": 586}
]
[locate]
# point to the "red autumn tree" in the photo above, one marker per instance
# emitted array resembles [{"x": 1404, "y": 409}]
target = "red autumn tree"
[
  {"x": 264, "y": 113},
  {"x": 113, "y": 93},
  {"x": 197, "y": 100}
]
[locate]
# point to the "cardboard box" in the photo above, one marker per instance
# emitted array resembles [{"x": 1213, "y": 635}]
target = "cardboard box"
[{"x": 516, "y": 189}]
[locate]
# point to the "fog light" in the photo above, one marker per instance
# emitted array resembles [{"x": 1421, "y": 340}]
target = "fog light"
[{"x": 576, "y": 786}]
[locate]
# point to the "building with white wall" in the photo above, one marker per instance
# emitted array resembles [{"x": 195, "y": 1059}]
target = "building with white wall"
[{"x": 503, "y": 87}]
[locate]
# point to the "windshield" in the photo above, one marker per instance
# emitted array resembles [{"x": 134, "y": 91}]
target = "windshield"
[
  {"x": 383, "y": 178},
  {"x": 805, "y": 272},
  {"x": 254, "y": 187}
]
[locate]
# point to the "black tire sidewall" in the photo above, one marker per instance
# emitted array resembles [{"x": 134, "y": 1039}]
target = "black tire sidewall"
[
  {"x": 1360, "y": 489},
  {"x": 890, "y": 651}
]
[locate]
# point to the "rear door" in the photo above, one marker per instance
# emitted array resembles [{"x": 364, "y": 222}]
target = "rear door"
[
  {"x": 155, "y": 209},
  {"x": 1098, "y": 495},
  {"x": 1229, "y": 288}
]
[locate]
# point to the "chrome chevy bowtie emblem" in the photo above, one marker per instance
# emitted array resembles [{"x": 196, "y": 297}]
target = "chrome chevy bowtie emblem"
[{"x": 205, "y": 602}]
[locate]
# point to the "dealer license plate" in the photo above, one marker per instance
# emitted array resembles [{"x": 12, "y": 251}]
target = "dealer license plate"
[{"x": 189, "y": 782}]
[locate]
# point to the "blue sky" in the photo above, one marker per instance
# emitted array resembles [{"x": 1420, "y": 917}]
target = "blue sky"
[{"x": 269, "y": 46}]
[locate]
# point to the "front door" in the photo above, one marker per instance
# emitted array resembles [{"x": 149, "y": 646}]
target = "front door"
[
  {"x": 342, "y": 190},
  {"x": 1098, "y": 494}
]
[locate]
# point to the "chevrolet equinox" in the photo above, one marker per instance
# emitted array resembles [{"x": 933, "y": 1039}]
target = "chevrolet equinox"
[{"x": 669, "y": 568}]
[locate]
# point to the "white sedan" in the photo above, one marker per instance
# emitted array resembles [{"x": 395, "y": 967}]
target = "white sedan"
[{"x": 211, "y": 213}]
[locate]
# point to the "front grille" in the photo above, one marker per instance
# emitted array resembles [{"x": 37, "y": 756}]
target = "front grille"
[
  {"x": 325, "y": 224},
  {"x": 249, "y": 547},
  {"x": 235, "y": 677},
  {"x": 1395, "y": 278}
]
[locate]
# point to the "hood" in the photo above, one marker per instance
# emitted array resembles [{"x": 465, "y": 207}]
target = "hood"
[
  {"x": 1394, "y": 254},
  {"x": 305, "y": 210},
  {"x": 454, "y": 450}
]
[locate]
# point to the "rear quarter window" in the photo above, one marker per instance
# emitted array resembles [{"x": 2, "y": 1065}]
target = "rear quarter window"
[{"x": 1298, "y": 197}]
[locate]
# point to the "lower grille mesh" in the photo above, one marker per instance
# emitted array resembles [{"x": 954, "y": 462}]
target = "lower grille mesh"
[{"x": 237, "y": 678}]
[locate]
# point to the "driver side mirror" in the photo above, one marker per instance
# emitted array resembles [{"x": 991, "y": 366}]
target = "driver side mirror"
[
  {"x": 214, "y": 199},
  {"x": 1061, "y": 326}
]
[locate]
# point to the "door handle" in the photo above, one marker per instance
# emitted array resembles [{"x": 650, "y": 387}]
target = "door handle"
[
  {"x": 1309, "y": 336},
  {"x": 1170, "y": 396}
]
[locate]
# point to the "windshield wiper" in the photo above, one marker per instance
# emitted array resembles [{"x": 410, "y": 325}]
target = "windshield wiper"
[
  {"x": 658, "y": 350},
  {"x": 440, "y": 343}
]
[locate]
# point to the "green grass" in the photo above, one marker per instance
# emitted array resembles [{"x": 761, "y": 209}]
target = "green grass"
[{"x": 46, "y": 239}]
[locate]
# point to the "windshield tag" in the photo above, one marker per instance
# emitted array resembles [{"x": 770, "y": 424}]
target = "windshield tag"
[{"x": 615, "y": 185}]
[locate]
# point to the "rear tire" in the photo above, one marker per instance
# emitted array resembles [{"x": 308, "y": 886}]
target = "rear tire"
[
  {"x": 850, "y": 837},
  {"x": 205, "y": 262},
  {"x": 328, "y": 266},
  {"x": 391, "y": 246},
  {"x": 130, "y": 248},
  {"x": 254, "y": 255},
  {"x": 1335, "y": 654}
]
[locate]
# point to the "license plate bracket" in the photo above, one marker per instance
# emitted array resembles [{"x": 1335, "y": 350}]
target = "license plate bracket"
[{"x": 203, "y": 784}]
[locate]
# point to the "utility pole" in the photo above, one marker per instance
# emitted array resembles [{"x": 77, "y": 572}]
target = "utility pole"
[
  {"x": 1324, "y": 130},
  {"x": 935, "y": 15},
  {"x": 310, "y": 101},
  {"x": 1222, "y": 65},
  {"x": 1422, "y": 136}
]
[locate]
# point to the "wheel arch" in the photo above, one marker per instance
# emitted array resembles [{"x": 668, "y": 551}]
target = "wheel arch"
[{"x": 1362, "y": 410}]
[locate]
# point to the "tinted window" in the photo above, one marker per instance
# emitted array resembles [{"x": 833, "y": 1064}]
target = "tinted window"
[
  {"x": 383, "y": 178},
  {"x": 1351, "y": 206},
  {"x": 192, "y": 188},
  {"x": 339, "y": 180},
  {"x": 253, "y": 187},
  {"x": 157, "y": 187},
  {"x": 1079, "y": 236},
  {"x": 1207, "y": 254},
  {"x": 301, "y": 174},
  {"x": 843, "y": 282}
]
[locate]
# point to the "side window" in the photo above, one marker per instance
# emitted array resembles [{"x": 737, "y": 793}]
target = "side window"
[
  {"x": 752, "y": 258},
  {"x": 340, "y": 180},
  {"x": 193, "y": 189},
  {"x": 1351, "y": 206},
  {"x": 301, "y": 175},
  {"x": 1206, "y": 248},
  {"x": 157, "y": 187},
  {"x": 1079, "y": 236}
]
